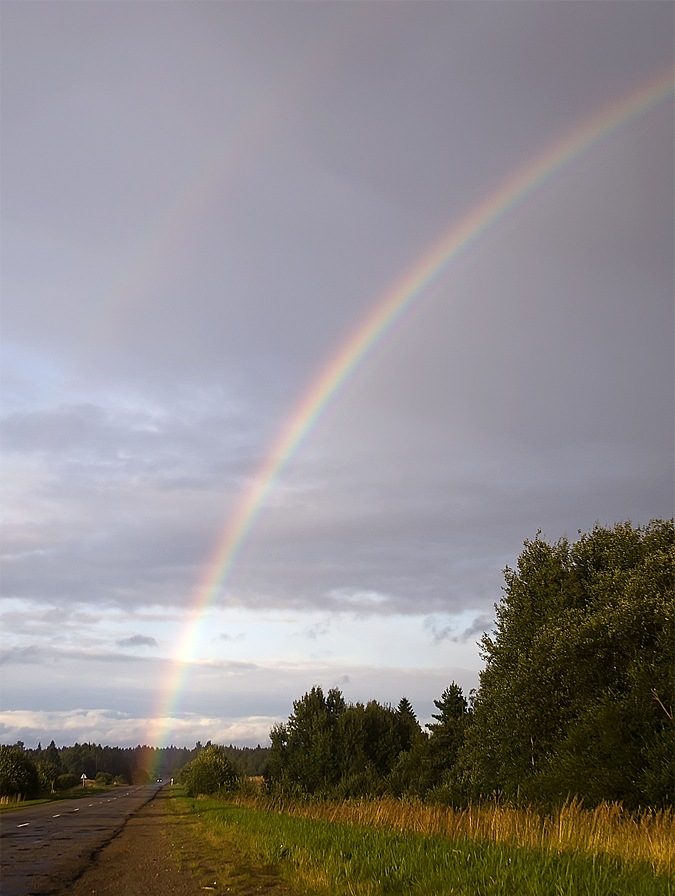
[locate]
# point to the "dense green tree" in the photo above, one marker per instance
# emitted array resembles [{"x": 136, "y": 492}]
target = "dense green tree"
[
  {"x": 576, "y": 694},
  {"x": 48, "y": 764},
  {"x": 409, "y": 774},
  {"x": 446, "y": 741},
  {"x": 47, "y": 775},
  {"x": 51, "y": 754},
  {"x": 408, "y": 728},
  {"x": 18, "y": 774},
  {"x": 248, "y": 761},
  {"x": 210, "y": 772},
  {"x": 370, "y": 740},
  {"x": 61, "y": 768},
  {"x": 330, "y": 748},
  {"x": 304, "y": 749}
]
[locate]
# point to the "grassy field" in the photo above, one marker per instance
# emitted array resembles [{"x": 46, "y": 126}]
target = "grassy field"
[{"x": 389, "y": 847}]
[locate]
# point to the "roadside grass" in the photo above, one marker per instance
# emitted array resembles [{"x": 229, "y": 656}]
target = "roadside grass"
[
  {"x": 78, "y": 793},
  {"x": 608, "y": 829},
  {"x": 213, "y": 855},
  {"x": 351, "y": 856}
]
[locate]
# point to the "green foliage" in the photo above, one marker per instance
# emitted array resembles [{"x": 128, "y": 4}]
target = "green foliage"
[
  {"x": 248, "y": 760},
  {"x": 18, "y": 774},
  {"x": 447, "y": 738},
  {"x": 575, "y": 700},
  {"x": 67, "y": 781},
  {"x": 576, "y": 694},
  {"x": 329, "y": 748},
  {"x": 304, "y": 752},
  {"x": 209, "y": 773},
  {"x": 138, "y": 764},
  {"x": 47, "y": 775}
]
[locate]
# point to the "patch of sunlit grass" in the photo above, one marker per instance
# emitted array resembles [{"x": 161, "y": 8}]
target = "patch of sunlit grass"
[
  {"x": 608, "y": 829},
  {"x": 392, "y": 847}
]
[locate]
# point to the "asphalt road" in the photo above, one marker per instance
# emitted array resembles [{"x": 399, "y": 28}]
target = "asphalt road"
[{"x": 44, "y": 848}]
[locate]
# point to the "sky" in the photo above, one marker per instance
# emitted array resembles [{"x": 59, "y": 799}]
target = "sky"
[{"x": 208, "y": 508}]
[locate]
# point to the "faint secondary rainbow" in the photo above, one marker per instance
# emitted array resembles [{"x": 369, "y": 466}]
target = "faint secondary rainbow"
[
  {"x": 380, "y": 319},
  {"x": 226, "y": 162}
]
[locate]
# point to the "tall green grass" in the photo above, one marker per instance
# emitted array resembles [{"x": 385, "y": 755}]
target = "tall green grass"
[
  {"x": 605, "y": 830},
  {"x": 321, "y": 856}
]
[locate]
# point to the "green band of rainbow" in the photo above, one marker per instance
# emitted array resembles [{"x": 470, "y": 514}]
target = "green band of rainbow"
[{"x": 378, "y": 322}]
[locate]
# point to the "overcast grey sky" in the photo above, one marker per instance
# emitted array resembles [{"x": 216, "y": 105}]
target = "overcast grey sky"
[{"x": 200, "y": 203}]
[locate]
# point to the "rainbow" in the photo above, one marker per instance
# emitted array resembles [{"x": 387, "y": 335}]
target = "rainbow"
[{"x": 381, "y": 318}]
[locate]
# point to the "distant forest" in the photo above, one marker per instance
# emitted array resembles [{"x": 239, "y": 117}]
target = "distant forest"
[
  {"x": 30, "y": 772},
  {"x": 575, "y": 700}
]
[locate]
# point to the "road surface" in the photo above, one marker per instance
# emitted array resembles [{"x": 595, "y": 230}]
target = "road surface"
[{"x": 44, "y": 848}]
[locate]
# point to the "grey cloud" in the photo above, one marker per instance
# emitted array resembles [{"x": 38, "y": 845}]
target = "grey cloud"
[
  {"x": 439, "y": 632},
  {"x": 316, "y": 631},
  {"x": 13, "y": 655},
  {"x": 479, "y": 625},
  {"x": 457, "y": 634},
  {"x": 178, "y": 440},
  {"x": 137, "y": 641}
]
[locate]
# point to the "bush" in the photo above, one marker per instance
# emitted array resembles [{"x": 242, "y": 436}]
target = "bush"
[
  {"x": 66, "y": 782},
  {"x": 210, "y": 772}
]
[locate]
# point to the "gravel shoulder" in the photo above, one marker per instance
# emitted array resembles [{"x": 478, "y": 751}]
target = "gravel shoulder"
[
  {"x": 140, "y": 859},
  {"x": 160, "y": 852}
]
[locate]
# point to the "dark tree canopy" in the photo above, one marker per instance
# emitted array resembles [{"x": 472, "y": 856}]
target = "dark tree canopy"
[
  {"x": 576, "y": 696},
  {"x": 331, "y": 748},
  {"x": 18, "y": 774}
]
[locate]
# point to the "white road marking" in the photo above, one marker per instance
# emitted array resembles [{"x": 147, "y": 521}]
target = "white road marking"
[
  {"x": 24, "y": 825},
  {"x": 57, "y": 816}
]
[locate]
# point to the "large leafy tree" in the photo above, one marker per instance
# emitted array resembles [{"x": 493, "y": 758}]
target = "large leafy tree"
[
  {"x": 576, "y": 694},
  {"x": 18, "y": 774},
  {"x": 305, "y": 749}
]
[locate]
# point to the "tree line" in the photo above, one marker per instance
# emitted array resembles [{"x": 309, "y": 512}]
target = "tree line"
[
  {"x": 30, "y": 773},
  {"x": 575, "y": 697}
]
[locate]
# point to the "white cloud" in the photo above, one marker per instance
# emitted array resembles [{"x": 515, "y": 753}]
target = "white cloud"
[{"x": 118, "y": 729}]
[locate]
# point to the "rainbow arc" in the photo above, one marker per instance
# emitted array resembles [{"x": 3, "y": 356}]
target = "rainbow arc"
[{"x": 416, "y": 282}]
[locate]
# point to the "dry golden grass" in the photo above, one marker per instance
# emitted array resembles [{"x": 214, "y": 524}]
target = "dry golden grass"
[{"x": 608, "y": 829}]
